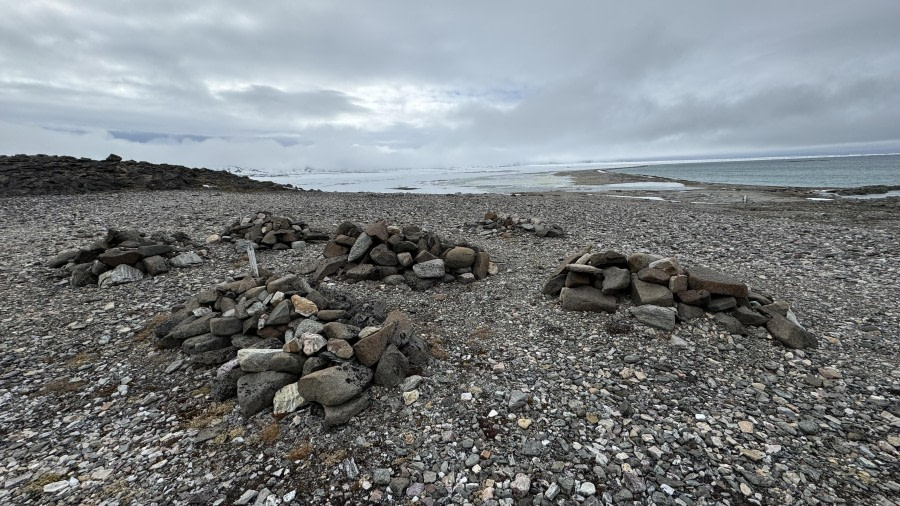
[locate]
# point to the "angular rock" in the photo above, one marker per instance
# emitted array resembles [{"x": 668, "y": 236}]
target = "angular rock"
[
  {"x": 156, "y": 265},
  {"x": 608, "y": 258},
  {"x": 655, "y": 316},
  {"x": 256, "y": 392},
  {"x": 694, "y": 297},
  {"x": 649, "y": 293},
  {"x": 678, "y": 283},
  {"x": 225, "y": 326},
  {"x": 312, "y": 343},
  {"x": 731, "y": 324},
  {"x": 62, "y": 258},
  {"x": 554, "y": 284},
  {"x": 382, "y": 255},
  {"x": 587, "y": 298},
  {"x": 256, "y": 359},
  {"x": 203, "y": 342},
  {"x": 748, "y": 316},
  {"x": 482, "y": 266},
  {"x": 430, "y": 269},
  {"x": 715, "y": 282},
  {"x": 656, "y": 276},
  {"x": 335, "y": 385},
  {"x": 669, "y": 265},
  {"x": 287, "y": 362},
  {"x": 417, "y": 352},
  {"x": 360, "y": 247},
  {"x": 363, "y": 272},
  {"x": 280, "y": 315},
  {"x": 688, "y": 312},
  {"x": 186, "y": 259},
  {"x": 392, "y": 367},
  {"x": 340, "y": 348},
  {"x": 615, "y": 279},
  {"x": 341, "y": 414},
  {"x": 377, "y": 230},
  {"x": 638, "y": 261},
  {"x": 575, "y": 279},
  {"x": 720, "y": 303},
  {"x": 116, "y": 256},
  {"x": 119, "y": 276},
  {"x": 328, "y": 266},
  {"x": 287, "y": 400},
  {"x": 368, "y": 350},
  {"x": 790, "y": 334},
  {"x": 153, "y": 250}
]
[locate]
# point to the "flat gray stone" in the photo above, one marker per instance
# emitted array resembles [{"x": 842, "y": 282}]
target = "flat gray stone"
[
  {"x": 655, "y": 316},
  {"x": 615, "y": 279},
  {"x": 790, "y": 334},
  {"x": 587, "y": 298},
  {"x": 715, "y": 282},
  {"x": 256, "y": 391},
  {"x": 431, "y": 269},
  {"x": 335, "y": 385},
  {"x": 650, "y": 293}
]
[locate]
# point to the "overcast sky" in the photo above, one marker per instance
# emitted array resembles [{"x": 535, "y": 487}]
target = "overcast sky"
[{"x": 369, "y": 84}]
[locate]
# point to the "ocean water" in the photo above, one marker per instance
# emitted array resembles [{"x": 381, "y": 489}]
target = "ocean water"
[
  {"x": 834, "y": 172},
  {"x": 826, "y": 172}
]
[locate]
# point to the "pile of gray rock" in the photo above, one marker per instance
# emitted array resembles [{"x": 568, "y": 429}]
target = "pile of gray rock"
[
  {"x": 663, "y": 291},
  {"x": 125, "y": 256},
  {"x": 269, "y": 231},
  {"x": 398, "y": 255},
  {"x": 281, "y": 343},
  {"x": 506, "y": 224}
]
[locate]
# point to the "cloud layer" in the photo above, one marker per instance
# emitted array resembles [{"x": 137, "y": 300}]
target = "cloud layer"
[{"x": 350, "y": 85}]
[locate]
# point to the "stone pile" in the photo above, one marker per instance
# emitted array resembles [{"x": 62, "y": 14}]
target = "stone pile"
[
  {"x": 123, "y": 257},
  {"x": 269, "y": 231},
  {"x": 506, "y": 224},
  {"x": 399, "y": 255},
  {"x": 663, "y": 291},
  {"x": 285, "y": 344}
]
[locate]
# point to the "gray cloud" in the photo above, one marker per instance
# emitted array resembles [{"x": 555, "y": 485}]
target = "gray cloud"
[{"x": 394, "y": 84}]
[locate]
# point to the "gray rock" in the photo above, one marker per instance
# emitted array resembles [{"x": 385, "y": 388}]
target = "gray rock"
[
  {"x": 156, "y": 265},
  {"x": 309, "y": 327},
  {"x": 189, "y": 327},
  {"x": 335, "y": 385},
  {"x": 227, "y": 326},
  {"x": 256, "y": 359},
  {"x": 459, "y": 257},
  {"x": 392, "y": 367},
  {"x": 720, "y": 303},
  {"x": 554, "y": 285},
  {"x": 281, "y": 314},
  {"x": 587, "y": 298},
  {"x": 715, "y": 282},
  {"x": 256, "y": 391},
  {"x": 287, "y": 362},
  {"x": 360, "y": 247},
  {"x": 655, "y": 316},
  {"x": 204, "y": 342},
  {"x": 62, "y": 258},
  {"x": 362, "y": 272},
  {"x": 731, "y": 324},
  {"x": 649, "y": 293},
  {"x": 328, "y": 266},
  {"x": 748, "y": 316},
  {"x": 615, "y": 279},
  {"x": 342, "y": 413},
  {"x": 656, "y": 276},
  {"x": 694, "y": 297},
  {"x": 417, "y": 352},
  {"x": 119, "y": 276},
  {"x": 430, "y": 269},
  {"x": 638, "y": 261},
  {"x": 382, "y": 255},
  {"x": 186, "y": 259},
  {"x": 790, "y": 334}
]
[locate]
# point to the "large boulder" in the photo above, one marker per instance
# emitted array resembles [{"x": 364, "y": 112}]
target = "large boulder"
[
  {"x": 335, "y": 385},
  {"x": 715, "y": 282},
  {"x": 655, "y": 316},
  {"x": 587, "y": 298},
  {"x": 789, "y": 333},
  {"x": 256, "y": 392},
  {"x": 650, "y": 293},
  {"x": 459, "y": 257},
  {"x": 431, "y": 269}
]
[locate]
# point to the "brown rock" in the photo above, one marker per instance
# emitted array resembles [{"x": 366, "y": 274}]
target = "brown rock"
[
  {"x": 655, "y": 276},
  {"x": 715, "y": 282},
  {"x": 377, "y": 230},
  {"x": 459, "y": 257},
  {"x": 482, "y": 265}
]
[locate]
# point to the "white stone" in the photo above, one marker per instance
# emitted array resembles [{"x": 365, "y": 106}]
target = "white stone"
[{"x": 288, "y": 400}]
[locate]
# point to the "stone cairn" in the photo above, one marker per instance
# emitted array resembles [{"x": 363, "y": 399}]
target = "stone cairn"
[
  {"x": 282, "y": 343},
  {"x": 663, "y": 291},
  {"x": 398, "y": 255},
  {"x": 506, "y": 224},
  {"x": 123, "y": 257},
  {"x": 268, "y": 231}
]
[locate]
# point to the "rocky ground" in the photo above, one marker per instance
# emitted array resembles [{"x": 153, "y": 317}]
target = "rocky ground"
[{"x": 523, "y": 404}]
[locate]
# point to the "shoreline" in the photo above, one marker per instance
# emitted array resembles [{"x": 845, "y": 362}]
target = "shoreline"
[{"x": 719, "y": 193}]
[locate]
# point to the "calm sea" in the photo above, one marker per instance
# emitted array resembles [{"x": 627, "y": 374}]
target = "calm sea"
[{"x": 831, "y": 172}]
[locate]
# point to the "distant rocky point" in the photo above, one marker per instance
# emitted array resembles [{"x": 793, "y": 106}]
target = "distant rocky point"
[{"x": 22, "y": 175}]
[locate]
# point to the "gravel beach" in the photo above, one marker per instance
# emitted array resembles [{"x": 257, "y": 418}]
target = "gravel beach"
[{"x": 523, "y": 403}]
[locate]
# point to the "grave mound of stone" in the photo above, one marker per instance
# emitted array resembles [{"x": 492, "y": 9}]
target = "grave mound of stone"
[
  {"x": 125, "y": 256},
  {"x": 663, "y": 292}
]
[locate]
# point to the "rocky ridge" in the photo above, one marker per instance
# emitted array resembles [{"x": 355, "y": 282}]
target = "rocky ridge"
[
  {"x": 658, "y": 285},
  {"x": 67, "y": 175}
]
